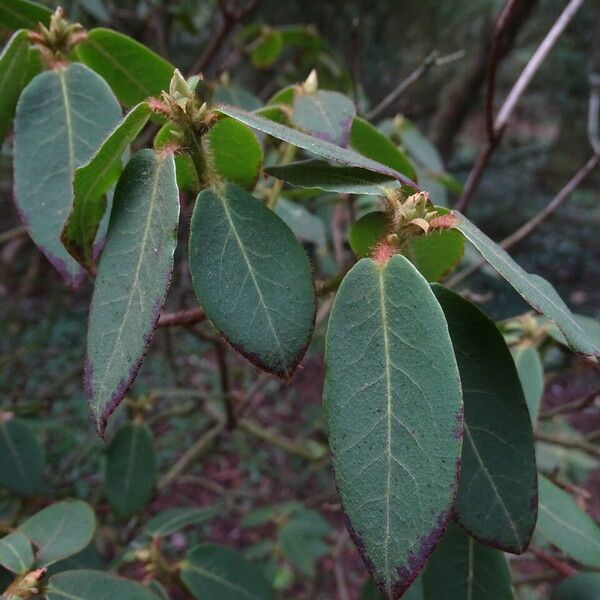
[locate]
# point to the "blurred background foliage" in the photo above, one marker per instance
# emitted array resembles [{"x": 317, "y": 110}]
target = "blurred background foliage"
[{"x": 363, "y": 49}]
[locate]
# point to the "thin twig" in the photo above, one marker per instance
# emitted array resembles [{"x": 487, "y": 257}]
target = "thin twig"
[
  {"x": 432, "y": 60},
  {"x": 572, "y": 444},
  {"x": 224, "y": 379},
  {"x": 340, "y": 579},
  {"x": 188, "y": 316},
  {"x": 558, "y": 565},
  {"x": 11, "y": 234},
  {"x": 575, "y": 405},
  {"x": 499, "y": 124}
]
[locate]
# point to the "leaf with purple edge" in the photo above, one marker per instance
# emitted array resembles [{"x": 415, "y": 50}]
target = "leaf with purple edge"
[
  {"x": 312, "y": 144},
  {"x": 534, "y": 289},
  {"x": 394, "y": 409},
  {"x": 497, "y": 491},
  {"x": 326, "y": 115},
  {"x": 252, "y": 278},
  {"x": 133, "y": 278},
  {"x": 62, "y": 118},
  {"x": 462, "y": 568}
]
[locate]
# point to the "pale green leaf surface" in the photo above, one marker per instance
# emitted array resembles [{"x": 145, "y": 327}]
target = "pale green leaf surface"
[
  {"x": 95, "y": 585},
  {"x": 21, "y": 458},
  {"x": 531, "y": 373},
  {"x": 93, "y": 180},
  {"x": 314, "y": 145},
  {"x": 393, "y": 401},
  {"x": 535, "y": 290},
  {"x": 132, "y": 70},
  {"x": 13, "y": 65},
  {"x": 342, "y": 180},
  {"x": 216, "y": 573},
  {"x": 326, "y": 115},
  {"x": 497, "y": 491},
  {"x": 252, "y": 277},
  {"x": 583, "y": 586},
  {"x": 566, "y": 526},
  {"x": 174, "y": 519},
  {"x": 134, "y": 275},
  {"x": 130, "y": 469},
  {"x": 60, "y": 530},
  {"x": 232, "y": 93},
  {"x": 16, "y": 553},
  {"x": 462, "y": 569},
  {"x": 17, "y": 14},
  {"x": 436, "y": 253},
  {"x": 62, "y": 118},
  {"x": 306, "y": 226}
]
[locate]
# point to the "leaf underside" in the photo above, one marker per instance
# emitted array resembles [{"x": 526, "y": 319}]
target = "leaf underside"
[
  {"x": 62, "y": 117},
  {"x": 497, "y": 492},
  {"x": 133, "y": 278},
  {"x": 252, "y": 278},
  {"x": 393, "y": 404}
]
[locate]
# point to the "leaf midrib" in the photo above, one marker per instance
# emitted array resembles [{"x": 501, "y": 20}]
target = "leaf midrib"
[{"x": 568, "y": 526}]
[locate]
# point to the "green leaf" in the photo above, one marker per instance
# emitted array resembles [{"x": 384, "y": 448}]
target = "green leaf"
[
  {"x": 326, "y": 115},
  {"x": 252, "y": 277},
  {"x": 267, "y": 48},
  {"x": 306, "y": 226},
  {"x": 21, "y": 457},
  {"x": 497, "y": 491},
  {"x": 462, "y": 569},
  {"x": 13, "y": 66},
  {"x": 436, "y": 253},
  {"x": 370, "y": 142},
  {"x": 235, "y": 152},
  {"x": 589, "y": 324},
  {"x": 367, "y": 232},
  {"x": 60, "y": 530},
  {"x": 531, "y": 373},
  {"x": 130, "y": 469},
  {"x": 17, "y": 14},
  {"x": 94, "y": 585},
  {"x": 133, "y": 278},
  {"x": 79, "y": 111},
  {"x": 583, "y": 586},
  {"x": 173, "y": 520},
  {"x": 231, "y": 93},
  {"x": 131, "y": 69},
  {"x": 271, "y": 513},
  {"x": 535, "y": 290},
  {"x": 312, "y": 144},
  {"x": 16, "y": 553},
  {"x": 342, "y": 180},
  {"x": 93, "y": 180},
  {"x": 187, "y": 177},
  {"x": 301, "y": 539},
  {"x": 566, "y": 526},
  {"x": 216, "y": 573},
  {"x": 392, "y": 399}
]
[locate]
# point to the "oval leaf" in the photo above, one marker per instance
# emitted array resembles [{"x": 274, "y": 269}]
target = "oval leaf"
[
  {"x": 21, "y": 457},
  {"x": 252, "y": 278},
  {"x": 133, "y": 278},
  {"x": 531, "y": 373},
  {"x": 60, "y": 530},
  {"x": 566, "y": 526},
  {"x": 13, "y": 66},
  {"x": 84, "y": 584},
  {"x": 130, "y": 469},
  {"x": 367, "y": 232},
  {"x": 497, "y": 491},
  {"x": 93, "y": 180},
  {"x": 235, "y": 152},
  {"x": 16, "y": 553},
  {"x": 131, "y": 69},
  {"x": 393, "y": 404},
  {"x": 217, "y": 573},
  {"x": 535, "y": 290},
  {"x": 583, "y": 586},
  {"x": 326, "y": 115},
  {"x": 62, "y": 118},
  {"x": 370, "y": 591},
  {"x": 461, "y": 569},
  {"x": 16, "y": 14},
  {"x": 370, "y": 142},
  {"x": 312, "y": 144},
  {"x": 173, "y": 520},
  {"x": 342, "y": 180}
]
